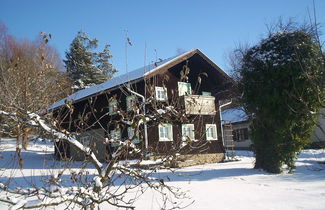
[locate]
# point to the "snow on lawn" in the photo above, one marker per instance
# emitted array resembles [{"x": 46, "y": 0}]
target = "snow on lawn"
[{"x": 230, "y": 185}]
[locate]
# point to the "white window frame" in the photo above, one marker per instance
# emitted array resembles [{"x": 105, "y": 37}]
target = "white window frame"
[
  {"x": 211, "y": 132},
  {"x": 116, "y": 133},
  {"x": 135, "y": 140},
  {"x": 165, "y": 132},
  {"x": 206, "y": 93},
  {"x": 184, "y": 88},
  {"x": 85, "y": 140},
  {"x": 188, "y": 131},
  {"x": 130, "y": 102},
  {"x": 112, "y": 107},
  {"x": 161, "y": 93}
]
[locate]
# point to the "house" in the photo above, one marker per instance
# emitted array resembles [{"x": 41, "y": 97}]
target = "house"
[
  {"x": 239, "y": 123},
  {"x": 177, "y": 100},
  {"x": 319, "y": 133}
]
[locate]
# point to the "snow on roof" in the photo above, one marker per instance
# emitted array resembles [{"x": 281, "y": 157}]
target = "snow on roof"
[
  {"x": 234, "y": 115},
  {"x": 115, "y": 81}
]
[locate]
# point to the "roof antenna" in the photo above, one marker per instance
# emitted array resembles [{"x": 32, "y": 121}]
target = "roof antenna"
[
  {"x": 127, "y": 43},
  {"x": 144, "y": 68},
  {"x": 145, "y": 57},
  {"x": 156, "y": 55},
  {"x": 156, "y": 58}
]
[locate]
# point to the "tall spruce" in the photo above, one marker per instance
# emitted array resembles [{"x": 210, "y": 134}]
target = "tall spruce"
[
  {"x": 86, "y": 67},
  {"x": 282, "y": 81}
]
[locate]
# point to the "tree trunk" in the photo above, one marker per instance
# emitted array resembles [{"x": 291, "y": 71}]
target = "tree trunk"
[{"x": 26, "y": 131}]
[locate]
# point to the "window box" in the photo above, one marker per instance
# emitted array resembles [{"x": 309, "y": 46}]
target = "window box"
[
  {"x": 198, "y": 105},
  {"x": 205, "y": 93}
]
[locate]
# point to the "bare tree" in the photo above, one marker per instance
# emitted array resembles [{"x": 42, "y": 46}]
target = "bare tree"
[
  {"x": 116, "y": 180},
  {"x": 26, "y": 66}
]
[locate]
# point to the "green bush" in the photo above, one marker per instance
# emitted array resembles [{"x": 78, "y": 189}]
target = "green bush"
[{"x": 282, "y": 80}]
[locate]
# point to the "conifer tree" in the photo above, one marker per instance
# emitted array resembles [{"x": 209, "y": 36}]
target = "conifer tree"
[{"x": 86, "y": 67}]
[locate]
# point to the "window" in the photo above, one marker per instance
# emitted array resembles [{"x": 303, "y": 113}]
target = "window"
[
  {"x": 165, "y": 132},
  {"x": 130, "y": 102},
  {"x": 135, "y": 139},
  {"x": 184, "y": 88},
  {"x": 161, "y": 93},
  {"x": 204, "y": 93},
  {"x": 188, "y": 131},
  {"x": 112, "y": 106},
  {"x": 211, "y": 131},
  {"x": 240, "y": 134},
  {"x": 85, "y": 140},
  {"x": 115, "y": 134}
]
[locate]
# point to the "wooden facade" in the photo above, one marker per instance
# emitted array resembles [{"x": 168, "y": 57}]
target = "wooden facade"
[{"x": 207, "y": 82}]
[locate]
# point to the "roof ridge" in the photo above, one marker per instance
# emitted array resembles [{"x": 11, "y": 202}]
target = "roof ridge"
[{"x": 123, "y": 78}]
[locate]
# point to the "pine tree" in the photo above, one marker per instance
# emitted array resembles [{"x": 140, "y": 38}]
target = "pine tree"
[
  {"x": 85, "y": 67},
  {"x": 282, "y": 80}
]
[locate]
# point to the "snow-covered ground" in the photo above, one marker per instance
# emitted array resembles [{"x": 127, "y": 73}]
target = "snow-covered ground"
[{"x": 231, "y": 185}]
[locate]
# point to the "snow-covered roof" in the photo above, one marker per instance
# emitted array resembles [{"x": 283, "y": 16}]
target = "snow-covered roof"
[
  {"x": 115, "y": 81},
  {"x": 234, "y": 115}
]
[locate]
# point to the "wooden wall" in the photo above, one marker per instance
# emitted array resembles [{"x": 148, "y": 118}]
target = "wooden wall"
[{"x": 211, "y": 81}]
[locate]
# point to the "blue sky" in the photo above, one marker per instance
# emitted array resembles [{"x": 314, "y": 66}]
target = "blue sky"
[{"x": 213, "y": 26}]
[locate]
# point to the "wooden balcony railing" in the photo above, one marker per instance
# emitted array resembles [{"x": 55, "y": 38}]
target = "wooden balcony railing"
[{"x": 198, "y": 104}]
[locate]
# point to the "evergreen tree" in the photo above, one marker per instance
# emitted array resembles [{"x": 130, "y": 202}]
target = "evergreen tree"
[
  {"x": 85, "y": 67},
  {"x": 282, "y": 80}
]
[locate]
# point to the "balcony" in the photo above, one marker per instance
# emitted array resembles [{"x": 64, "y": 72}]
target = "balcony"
[{"x": 198, "y": 104}]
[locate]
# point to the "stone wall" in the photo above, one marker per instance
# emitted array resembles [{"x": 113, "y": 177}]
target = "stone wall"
[
  {"x": 193, "y": 159},
  {"x": 199, "y": 159}
]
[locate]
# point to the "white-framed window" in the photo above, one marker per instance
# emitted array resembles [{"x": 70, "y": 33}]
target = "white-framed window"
[
  {"x": 85, "y": 140},
  {"x": 112, "y": 106},
  {"x": 130, "y": 102},
  {"x": 184, "y": 88},
  {"x": 135, "y": 137},
  {"x": 240, "y": 134},
  {"x": 211, "y": 132},
  {"x": 161, "y": 93},
  {"x": 115, "y": 134},
  {"x": 205, "y": 93},
  {"x": 188, "y": 131},
  {"x": 165, "y": 132}
]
